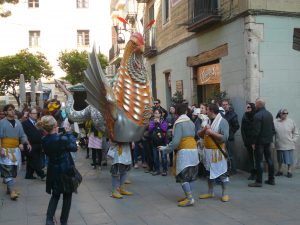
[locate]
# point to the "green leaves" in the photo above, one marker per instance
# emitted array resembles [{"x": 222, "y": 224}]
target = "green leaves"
[
  {"x": 75, "y": 62},
  {"x": 26, "y": 63}
]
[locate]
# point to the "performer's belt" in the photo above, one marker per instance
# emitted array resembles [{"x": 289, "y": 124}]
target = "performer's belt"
[
  {"x": 216, "y": 155},
  {"x": 209, "y": 143},
  {"x": 185, "y": 144},
  {"x": 10, "y": 142}
]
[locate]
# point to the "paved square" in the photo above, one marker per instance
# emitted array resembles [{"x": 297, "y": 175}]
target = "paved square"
[{"x": 154, "y": 201}]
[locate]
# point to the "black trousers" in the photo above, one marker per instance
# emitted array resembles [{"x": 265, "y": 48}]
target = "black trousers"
[
  {"x": 252, "y": 167},
  {"x": 67, "y": 200},
  {"x": 260, "y": 151},
  {"x": 147, "y": 145},
  {"x": 95, "y": 153},
  {"x": 34, "y": 164}
]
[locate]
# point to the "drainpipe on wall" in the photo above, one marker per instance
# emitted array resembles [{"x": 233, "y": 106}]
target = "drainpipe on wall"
[{"x": 253, "y": 35}]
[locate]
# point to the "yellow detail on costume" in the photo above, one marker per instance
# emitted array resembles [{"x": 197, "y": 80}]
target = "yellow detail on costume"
[
  {"x": 10, "y": 142},
  {"x": 216, "y": 156},
  {"x": 52, "y": 106},
  {"x": 120, "y": 150},
  {"x": 185, "y": 143}
]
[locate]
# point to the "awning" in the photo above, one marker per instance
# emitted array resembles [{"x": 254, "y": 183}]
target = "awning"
[{"x": 77, "y": 87}]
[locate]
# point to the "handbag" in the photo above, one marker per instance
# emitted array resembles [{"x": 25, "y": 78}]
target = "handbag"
[{"x": 71, "y": 180}]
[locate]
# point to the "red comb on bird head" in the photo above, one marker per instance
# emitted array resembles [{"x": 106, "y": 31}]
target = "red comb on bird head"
[{"x": 137, "y": 38}]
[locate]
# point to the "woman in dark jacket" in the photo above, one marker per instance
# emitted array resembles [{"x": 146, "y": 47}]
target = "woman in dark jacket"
[
  {"x": 58, "y": 149},
  {"x": 247, "y": 130}
]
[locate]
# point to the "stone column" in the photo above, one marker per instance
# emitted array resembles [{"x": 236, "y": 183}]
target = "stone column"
[
  {"x": 40, "y": 90},
  {"x": 32, "y": 93},
  {"x": 22, "y": 92},
  {"x": 253, "y": 35}
]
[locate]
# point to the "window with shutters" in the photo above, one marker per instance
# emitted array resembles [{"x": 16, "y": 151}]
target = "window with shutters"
[
  {"x": 33, "y": 3},
  {"x": 83, "y": 38},
  {"x": 296, "y": 39},
  {"x": 34, "y": 38},
  {"x": 82, "y": 3}
]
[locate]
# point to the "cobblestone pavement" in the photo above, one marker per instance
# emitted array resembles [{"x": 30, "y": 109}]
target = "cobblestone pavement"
[{"x": 154, "y": 201}]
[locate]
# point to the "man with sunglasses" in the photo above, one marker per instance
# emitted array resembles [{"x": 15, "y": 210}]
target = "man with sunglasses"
[
  {"x": 35, "y": 138},
  {"x": 158, "y": 106},
  {"x": 261, "y": 144},
  {"x": 12, "y": 138}
]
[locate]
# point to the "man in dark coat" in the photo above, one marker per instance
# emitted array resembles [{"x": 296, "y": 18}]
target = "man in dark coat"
[
  {"x": 263, "y": 137},
  {"x": 233, "y": 122},
  {"x": 158, "y": 106},
  {"x": 35, "y": 138}
]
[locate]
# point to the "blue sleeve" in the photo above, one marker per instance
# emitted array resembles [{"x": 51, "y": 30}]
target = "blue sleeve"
[{"x": 69, "y": 141}]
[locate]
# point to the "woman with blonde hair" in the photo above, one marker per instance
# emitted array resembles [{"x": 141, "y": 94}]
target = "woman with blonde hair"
[{"x": 57, "y": 148}]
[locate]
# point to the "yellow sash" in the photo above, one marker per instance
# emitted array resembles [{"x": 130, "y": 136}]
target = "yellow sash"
[
  {"x": 209, "y": 144},
  {"x": 9, "y": 144},
  {"x": 185, "y": 143}
]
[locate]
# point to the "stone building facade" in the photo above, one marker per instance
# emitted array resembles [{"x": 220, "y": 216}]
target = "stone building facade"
[{"x": 247, "y": 48}]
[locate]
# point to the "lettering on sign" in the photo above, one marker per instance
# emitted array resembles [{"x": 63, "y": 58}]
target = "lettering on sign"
[
  {"x": 179, "y": 86},
  {"x": 209, "y": 74}
]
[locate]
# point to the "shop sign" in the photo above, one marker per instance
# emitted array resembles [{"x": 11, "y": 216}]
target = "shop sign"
[{"x": 209, "y": 74}]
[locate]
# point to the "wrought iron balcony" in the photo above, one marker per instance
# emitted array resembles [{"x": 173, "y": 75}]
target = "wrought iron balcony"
[
  {"x": 202, "y": 14},
  {"x": 114, "y": 52},
  {"x": 150, "y": 46}
]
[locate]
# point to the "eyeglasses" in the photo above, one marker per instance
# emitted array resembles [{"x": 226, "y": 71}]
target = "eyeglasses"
[
  {"x": 155, "y": 103},
  {"x": 285, "y": 113},
  {"x": 249, "y": 107}
]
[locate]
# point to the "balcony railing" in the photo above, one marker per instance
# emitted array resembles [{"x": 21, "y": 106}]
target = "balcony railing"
[
  {"x": 202, "y": 13},
  {"x": 114, "y": 51},
  {"x": 150, "y": 46}
]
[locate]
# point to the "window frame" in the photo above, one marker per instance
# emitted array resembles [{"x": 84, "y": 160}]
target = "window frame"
[
  {"x": 34, "y": 40},
  {"x": 296, "y": 39},
  {"x": 166, "y": 11},
  {"x": 33, "y": 4},
  {"x": 82, "y": 4},
  {"x": 85, "y": 35}
]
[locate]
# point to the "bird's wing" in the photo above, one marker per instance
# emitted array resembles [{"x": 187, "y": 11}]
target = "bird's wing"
[{"x": 99, "y": 93}]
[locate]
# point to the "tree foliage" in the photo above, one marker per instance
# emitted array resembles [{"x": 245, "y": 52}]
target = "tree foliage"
[
  {"x": 26, "y": 63},
  {"x": 75, "y": 62},
  {"x": 177, "y": 98},
  {"x": 6, "y": 13}
]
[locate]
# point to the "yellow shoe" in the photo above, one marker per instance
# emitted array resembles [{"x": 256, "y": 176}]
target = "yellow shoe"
[
  {"x": 116, "y": 195},
  {"x": 13, "y": 195},
  {"x": 124, "y": 192},
  {"x": 225, "y": 198},
  {"x": 127, "y": 182},
  {"x": 186, "y": 202},
  {"x": 181, "y": 199},
  {"x": 18, "y": 192},
  {"x": 206, "y": 196}
]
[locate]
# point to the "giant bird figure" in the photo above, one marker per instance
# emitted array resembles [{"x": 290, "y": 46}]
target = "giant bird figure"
[
  {"x": 81, "y": 116},
  {"x": 125, "y": 107}
]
